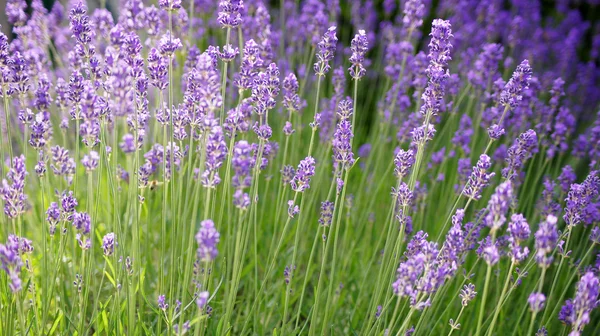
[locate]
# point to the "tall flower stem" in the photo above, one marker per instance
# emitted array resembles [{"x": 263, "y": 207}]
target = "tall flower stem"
[
  {"x": 271, "y": 266},
  {"x": 499, "y": 303},
  {"x": 556, "y": 275},
  {"x": 224, "y": 80},
  {"x": 488, "y": 274},
  {"x": 335, "y": 248},
  {"x": 292, "y": 265},
  {"x": 539, "y": 290},
  {"x": 456, "y": 321}
]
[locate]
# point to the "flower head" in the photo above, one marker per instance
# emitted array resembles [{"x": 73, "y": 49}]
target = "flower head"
[{"x": 207, "y": 238}]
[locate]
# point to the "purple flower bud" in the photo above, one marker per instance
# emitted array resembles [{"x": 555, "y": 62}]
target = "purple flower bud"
[
  {"x": 12, "y": 190},
  {"x": 207, "y": 238},
  {"x": 202, "y": 299},
  {"x": 546, "y": 238},
  {"x": 359, "y": 47},
  {"x": 90, "y": 161},
  {"x": 326, "y": 51},
  {"x": 403, "y": 161},
  {"x": 326, "y": 217},
  {"x": 536, "y": 302},
  {"x": 230, "y": 13},
  {"x": 108, "y": 244},
  {"x": 306, "y": 169},
  {"x": 513, "y": 90},
  {"x": 479, "y": 178},
  {"x": 467, "y": 294},
  {"x": 519, "y": 152},
  {"x": 414, "y": 11},
  {"x": 498, "y": 205},
  {"x": 519, "y": 231},
  {"x": 293, "y": 209}
]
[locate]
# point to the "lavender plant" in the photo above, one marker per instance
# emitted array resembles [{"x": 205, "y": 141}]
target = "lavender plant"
[{"x": 300, "y": 168}]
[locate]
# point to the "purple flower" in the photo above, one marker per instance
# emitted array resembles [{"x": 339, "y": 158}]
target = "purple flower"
[
  {"x": 439, "y": 56},
  {"x": 62, "y": 163},
  {"x": 359, "y": 47},
  {"x": 467, "y": 294},
  {"x": 230, "y": 13},
  {"x": 265, "y": 89},
  {"x": 169, "y": 44},
  {"x": 291, "y": 100},
  {"x": 479, "y": 178},
  {"x": 495, "y": 132},
  {"x": 90, "y": 161},
  {"x": 579, "y": 197},
  {"x": 53, "y": 216},
  {"x": 241, "y": 163},
  {"x": 79, "y": 23},
  {"x": 489, "y": 251},
  {"x": 498, "y": 205},
  {"x": 228, "y": 53},
  {"x": 216, "y": 151},
  {"x": 293, "y": 209},
  {"x": 326, "y": 51},
  {"x": 158, "y": 69},
  {"x": 288, "y": 129},
  {"x": 403, "y": 161},
  {"x": 241, "y": 199},
  {"x": 326, "y": 217},
  {"x": 207, "y": 239},
  {"x": 577, "y": 312},
  {"x": 566, "y": 313},
  {"x": 566, "y": 178},
  {"x": 12, "y": 190},
  {"x": 83, "y": 225},
  {"x": 519, "y": 232},
  {"x": 521, "y": 150},
  {"x": 536, "y": 302},
  {"x": 11, "y": 263},
  {"x": 41, "y": 131},
  {"x": 546, "y": 238},
  {"x": 162, "y": 304},
  {"x": 287, "y": 174},
  {"x": 169, "y": 5},
  {"x": 512, "y": 94},
  {"x": 108, "y": 244},
  {"x": 301, "y": 180},
  {"x": 414, "y": 11},
  {"x": 404, "y": 195},
  {"x": 341, "y": 144},
  {"x": 15, "y": 12},
  {"x": 251, "y": 62},
  {"x": 202, "y": 299}
]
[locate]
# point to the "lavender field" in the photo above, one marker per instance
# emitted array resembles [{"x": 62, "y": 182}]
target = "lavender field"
[{"x": 300, "y": 167}]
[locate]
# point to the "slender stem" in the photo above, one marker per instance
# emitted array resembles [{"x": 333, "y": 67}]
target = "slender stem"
[
  {"x": 499, "y": 304},
  {"x": 456, "y": 321}
]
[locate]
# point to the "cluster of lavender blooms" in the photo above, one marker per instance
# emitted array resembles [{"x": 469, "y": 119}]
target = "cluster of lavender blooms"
[{"x": 224, "y": 167}]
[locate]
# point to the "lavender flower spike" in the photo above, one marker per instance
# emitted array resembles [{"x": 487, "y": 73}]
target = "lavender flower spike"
[
  {"x": 359, "y": 47},
  {"x": 521, "y": 150},
  {"x": 207, "y": 238},
  {"x": 326, "y": 51},
  {"x": 479, "y": 178},
  {"x": 498, "y": 205},
  {"x": 512, "y": 94},
  {"x": 439, "y": 56},
  {"x": 306, "y": 169},
  {"x": 12, "y": 188},
  {"x": 586, "y": 299}
]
